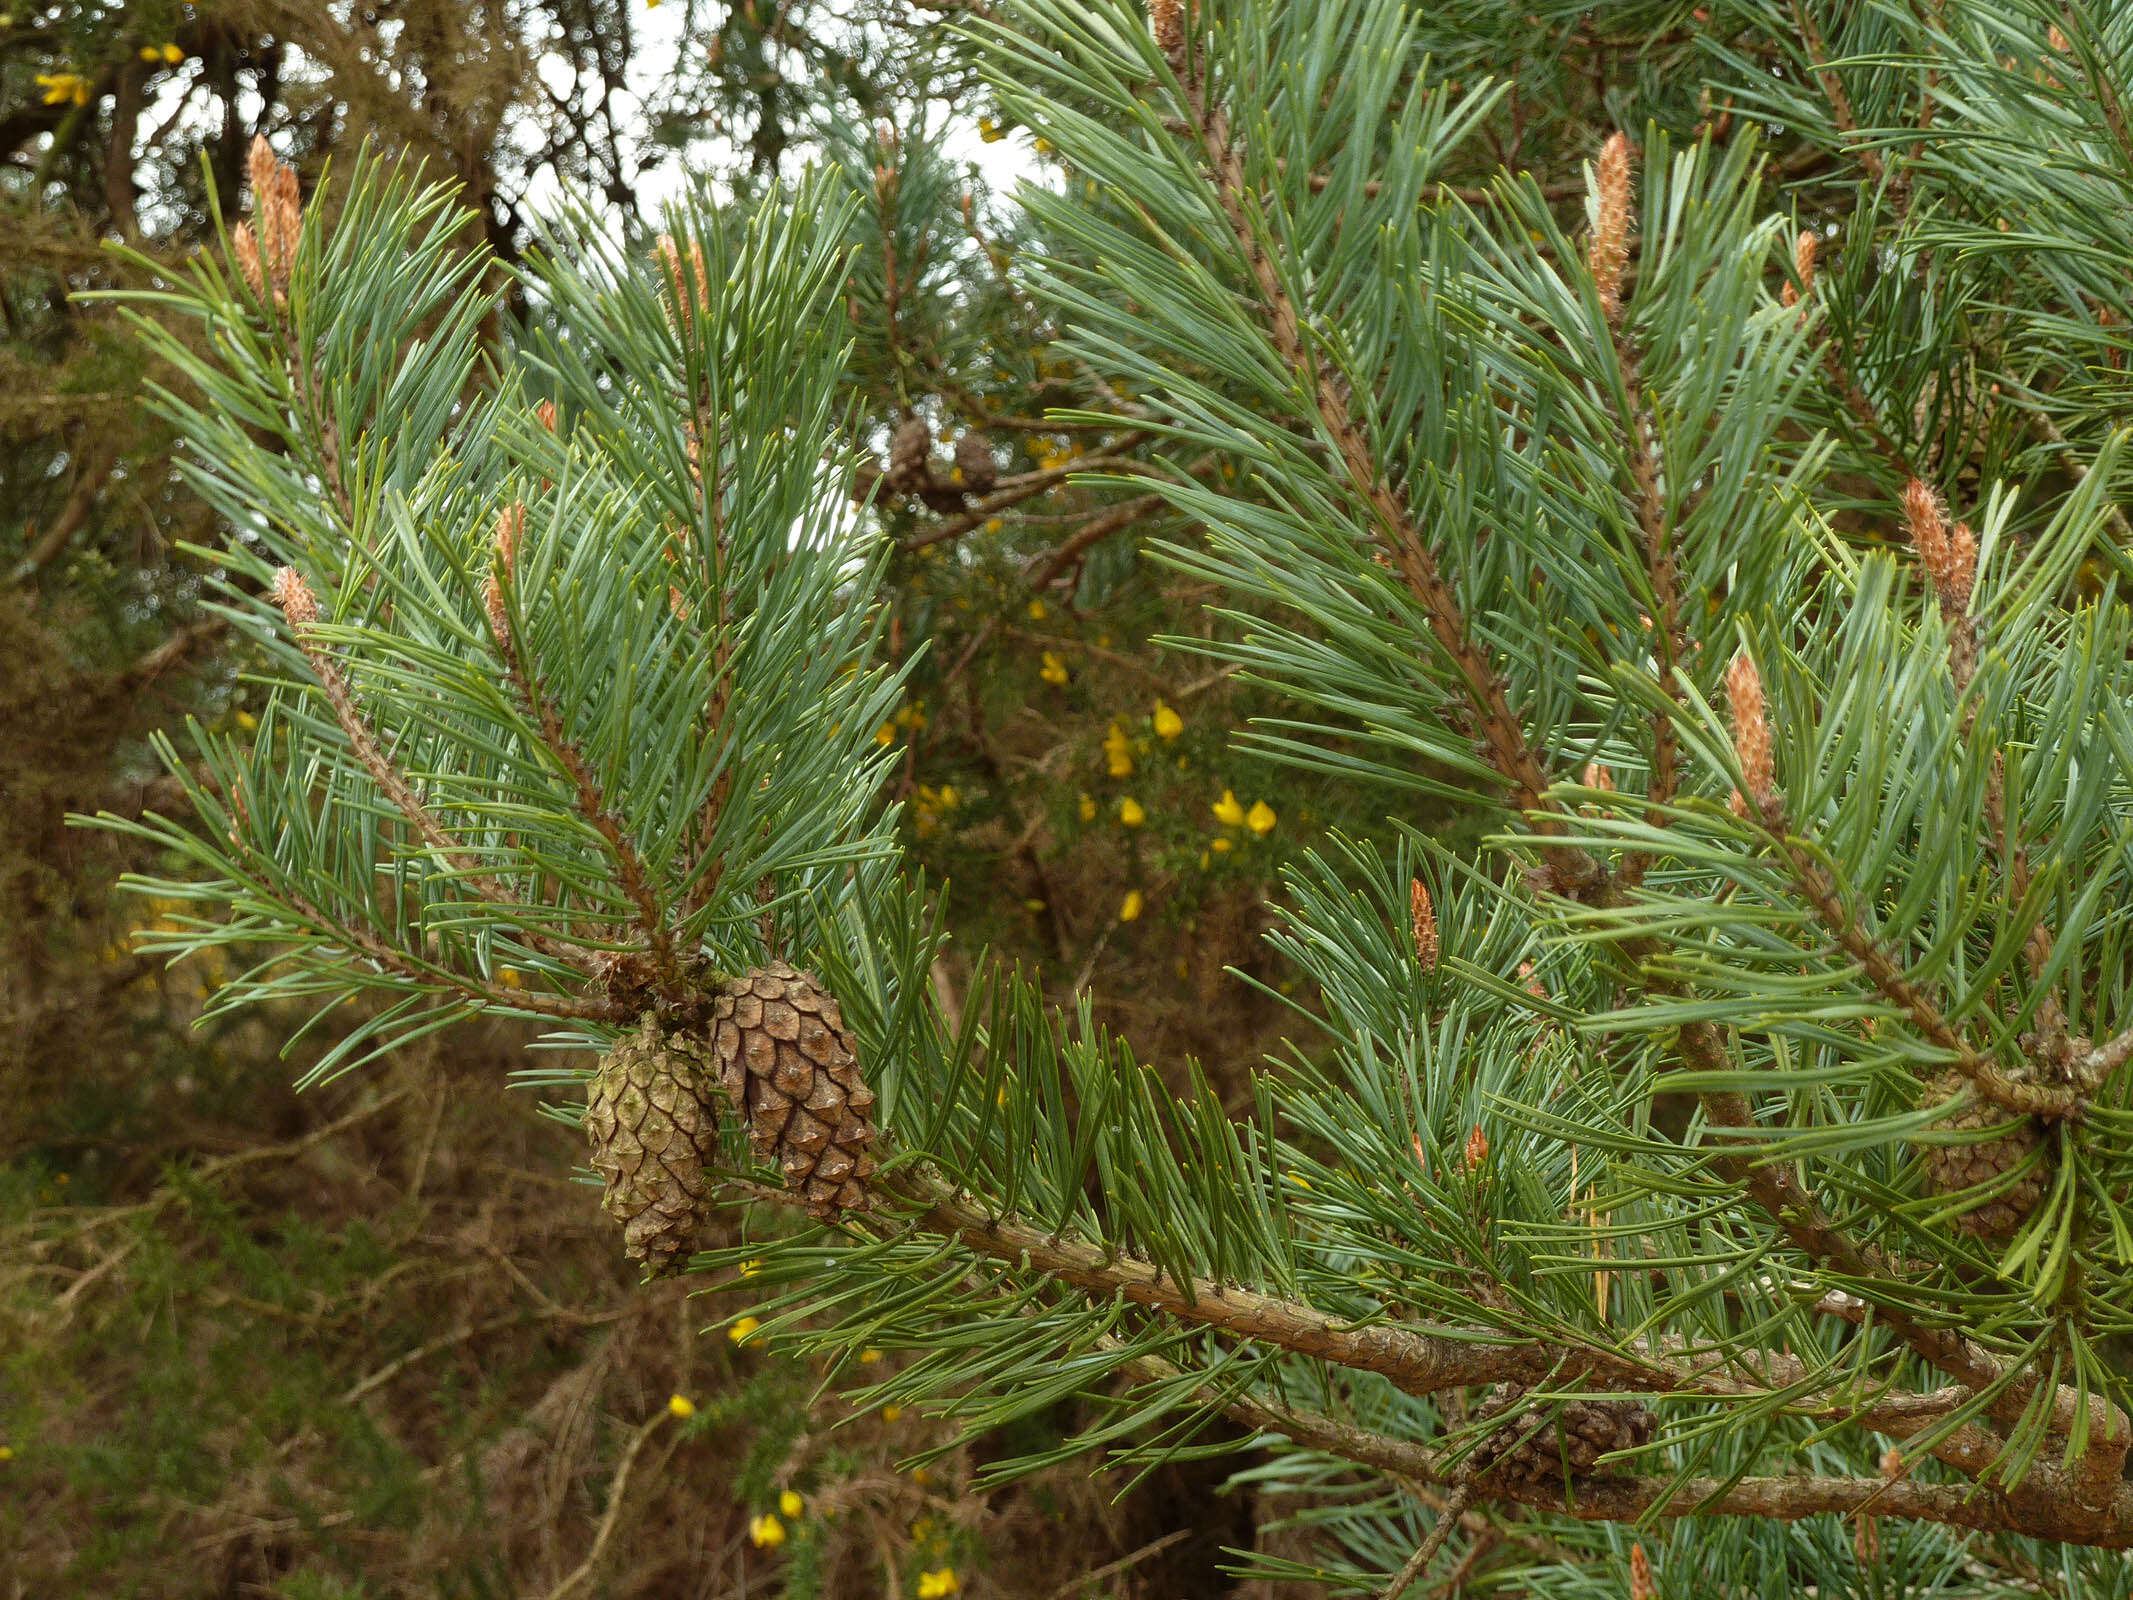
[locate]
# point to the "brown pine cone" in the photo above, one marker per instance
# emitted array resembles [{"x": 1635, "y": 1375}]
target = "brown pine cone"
[
  {"x": 909, "y": 447},
  {"x": 654, "y": 1128},
  {"x": 973, "y": 458},
  {"x": 785, "y": 1059},
  {"x": 1577, "y": 1435},
  {"x": 1952, "y": 1168}
]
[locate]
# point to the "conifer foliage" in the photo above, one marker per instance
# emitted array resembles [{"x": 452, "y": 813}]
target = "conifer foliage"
[{"x": 1738, "y": 1147}]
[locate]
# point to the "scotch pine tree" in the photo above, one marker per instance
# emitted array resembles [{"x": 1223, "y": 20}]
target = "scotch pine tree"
[{"x": 1718, "y": 1184}]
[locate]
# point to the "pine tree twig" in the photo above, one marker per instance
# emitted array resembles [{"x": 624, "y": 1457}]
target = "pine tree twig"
[
  {"x": 1840, "y": 104},
  {"x": 1874, "y": 959},
  {"x": 2071, "y": 458},
  {"x": 2043, "y": 1509},
  {"x": 1125, "y": 1563},
  {"x": 1640, "y": 446},
  {"x": 1098, "y": 528},
  {"x": 591, "y": 804},
  {"x": 390, "y": 958},
  {"x": 363, "y": 744},
  {"x": 151, "y": 666},
  {"x": 1418, "y": 1363},
  {"x": 2099, "y": 82},
  {"x": 1448, "y": 1518},
  {"x": 1574, "y": 868},
  {"x": 73, "y": 512},
  {"x": 1777, "y": 1190},
  {"x": 1013, "y": 491}
]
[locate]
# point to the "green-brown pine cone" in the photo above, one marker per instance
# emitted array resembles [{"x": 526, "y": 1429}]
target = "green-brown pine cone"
[
  {"x": 1578, "y": 1434},
  {"x": 785, "y": 1060},
  {"x": 1953, "y": 1168},
  {"x": 653, "y": 1124}
]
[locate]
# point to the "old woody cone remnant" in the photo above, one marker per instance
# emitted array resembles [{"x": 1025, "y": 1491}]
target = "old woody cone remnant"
[
  {"x": 1575, "y": 1438},
  {"x": 1953, "y": 1168},
  {"x": 1610, "y": 229},
  {"x": 786, "y": 1061},
  {"x": 654, "y": 1128}
]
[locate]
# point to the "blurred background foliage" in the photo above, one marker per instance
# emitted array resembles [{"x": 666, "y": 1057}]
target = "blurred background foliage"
[{"x": 373, "y": 1340}]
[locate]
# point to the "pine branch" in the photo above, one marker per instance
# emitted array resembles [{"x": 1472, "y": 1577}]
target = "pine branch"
[
  {"x": 591, "y": 802},
  {"x": 1840, "y": 104},
  {"x": 392, "y": 783},
  {"x": 1505, "y": 735},
  {"x": 1881, "y": 967}
]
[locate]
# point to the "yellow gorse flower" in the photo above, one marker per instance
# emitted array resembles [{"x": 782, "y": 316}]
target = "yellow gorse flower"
[
  {"x": 739, "y": 1333},
  {"x": 990, "y": 131},
  {"x": 1087, "y": 809},
  {"x": 1037, "y": 611},
  {"x": 791, "y": 1504},
  {"x": 1131, "y": 910},
  {"x": 767, "y": 1531},
  {"x": 1054, "y": 670},
  {"x": 1168, "y": 724},
  {"x": 1130, "y": 813},
  {"x": 1118, "y": 751},
  {"x": 1227, "y": 809},
  {"x": 938, "y": 1584},
  {"x": 681, "y": 1405},
  {"x": 1260, "y": 819},
  {"x": 62, "y": 87}
]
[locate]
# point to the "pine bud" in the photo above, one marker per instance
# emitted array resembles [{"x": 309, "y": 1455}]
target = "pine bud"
[
  {"x": 1949, "y": 556},
  {"x": 294, "y": 596},
  {"x": 1751, "y": 728},
  {"x": 1477, "y": 1149},
  {"x": 1609, "y": 253},
  {"x": 1928, "y": 527},
  {"x": 503, "y": 559},
  {"x": 686, "y": 289},
  {"x": 1598, "y": 777},
  {"x": 245, "y": 249},
  {"x": 1892, "y": 1463},
  {"x": 545, "y": 411},
  {"x": 1425, "y": 916},
  {"x": 281, "y": 222},
  {"x": 1962, "y": 570},
  {"x": 1803, "y": 268},
  {"x": 259, "y": 168},
  {"x": 1641, "y": 1586},
  {"x": 1168, "y": 17}
]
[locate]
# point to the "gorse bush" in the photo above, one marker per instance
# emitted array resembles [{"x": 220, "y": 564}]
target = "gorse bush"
[{"x": 1722, "y": 1173}]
